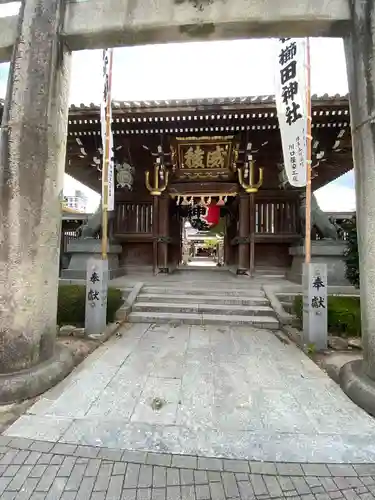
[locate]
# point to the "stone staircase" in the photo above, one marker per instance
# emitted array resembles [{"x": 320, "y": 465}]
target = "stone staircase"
[{"x": 199, "y": 303}]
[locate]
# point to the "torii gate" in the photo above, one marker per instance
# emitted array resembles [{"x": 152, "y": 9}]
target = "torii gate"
[{"x": 33, "y": 147}]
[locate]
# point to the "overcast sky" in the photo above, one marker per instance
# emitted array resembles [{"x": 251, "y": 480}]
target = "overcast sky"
[{"x": 210, "y": 69}]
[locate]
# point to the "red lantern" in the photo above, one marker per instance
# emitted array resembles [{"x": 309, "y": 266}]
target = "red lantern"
[{"x": 211, "y": 215}]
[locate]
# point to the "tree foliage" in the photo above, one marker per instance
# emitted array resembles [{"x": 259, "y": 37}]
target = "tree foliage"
[{"x": 351, "y": 257}]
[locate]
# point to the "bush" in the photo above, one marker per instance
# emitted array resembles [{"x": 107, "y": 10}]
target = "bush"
[
  {"x": 344, "y": 315},
  {"x": 72, "y": 302},
  {"x": 351, "y": 252}
]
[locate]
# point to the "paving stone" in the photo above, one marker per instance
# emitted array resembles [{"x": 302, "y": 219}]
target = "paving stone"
[
  {"x": 214, "y": 476},
  {"x": 145, "y": 476},
  {"x": 4, "y": 481},
  {"x": 366, "y": 496},
  {"x": 347, "y": 482},
  {"x": 286, "y": 483},
  {"x": 115, "y": 488},
  {"x": 246, "y": 490},
  {"x": 129, "y": 494},
  {"x": 159, "y": 459},
  {"x": 57, "y": 488},
  {"x": 11, "y": 470},
  {"x": 32, "y": 458},
  {"x": 9, "y": 495},
  {"x": 317, "y": 490},
  {"x": 131, "y": 476},
  {"x": 361, "y": 490},
  {"x": 64, "y": 449},
  {"x": 136, "y": 457},
  {"x": 241, "y": 476},
  {"x": 236, "y": 466},
  {"x": 184, "y": 462},
  {"x": 57, "y": 460},
  {"x": 93, "y": 467},
  {"x": 109, "y": 454},
  {"x": 45, "y": 458},
  {"x": 258, "y": 485},
  {"x": 160, "y": 494},
  {"x": 301, "y": 486},
  {"x": 328, "y": 484},
  {"x": 188, "y": 493},
  {"x": 322, "y": 496},
  {"x": 19, "y": 478},
  {"x": 335, "y": 494},
  {"x": 200, "y": 477},
  {"x": 20, "y": 458},
  {"x": 20, "y": 443},
  {"x": 262, "y": 468},
  {"x": 75, "y": 477},
  {"x": 214, "y": 464},
  {"x": 173, "y": 493},
  {"x": 41, "y": 446},
  {"x": 173, "y": 477},
  {"x": 159, "y": 477},
  {"x": 290, "y": 493},
  {"x": 38, "y": 470},
  {"x": 342, "y": 470},
  {"x": 350, "y": 494},
  {"x": 86, "y": 451},
  {"x": 230, "y": 485},
  {"x": 217, "y": 491},
  {"x": 5, "y": 440},
  {"x": 8, "y": 457},
  {"x": 312, "y": 481},
  {"x": 66, "y": 467},
  {"x": 27, "y": 489},
  {"x": 288, "y": 469},
  {"x": 316, "y": 470},
  {"x": 365, "y": 469},
  {"x": 367, "y": 480},
  {"x": 202, "y": 492},
  {"x": 273, "y": 486},
  {"x": 38, "y": 495},
  {"x": 98, "y": 495},
  {"x": 47, "y": 478},
  {"x": 119, "y": 469},
  {"x": 144, "y": 494}
]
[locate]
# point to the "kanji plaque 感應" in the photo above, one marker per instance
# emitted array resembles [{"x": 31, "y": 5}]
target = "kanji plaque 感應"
[{"x": 315, "y": 305}]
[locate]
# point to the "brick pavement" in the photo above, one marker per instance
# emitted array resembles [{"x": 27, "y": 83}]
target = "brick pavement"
[{"x": 41, "y": 470}]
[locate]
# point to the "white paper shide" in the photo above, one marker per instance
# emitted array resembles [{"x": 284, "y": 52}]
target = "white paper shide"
[
  {"x": 106, "y": 113},
  {"x": 291, "y": 103}
]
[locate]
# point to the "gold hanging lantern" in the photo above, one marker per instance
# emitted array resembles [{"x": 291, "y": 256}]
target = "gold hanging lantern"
[
  {"x": 250, "y": 186},
  {"x": 161, "y": 176}
]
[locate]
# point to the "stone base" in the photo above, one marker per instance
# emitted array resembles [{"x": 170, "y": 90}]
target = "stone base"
[
  {"x": 324, "y": 251},
  {"x": 83, "y": 250},
  {"x": 358, "y": 386},
  {"x": 29, "y": 383}
]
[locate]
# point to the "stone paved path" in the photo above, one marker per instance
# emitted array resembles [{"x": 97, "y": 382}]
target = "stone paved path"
[
  {"x": 224, "y": 392},
  {"x": 39, "y": 470}
]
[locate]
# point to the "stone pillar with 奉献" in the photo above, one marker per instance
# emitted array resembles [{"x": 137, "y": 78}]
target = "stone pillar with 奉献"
[
  {"x": 357, "y": 378},
  {"x": 32, "y": 149}
]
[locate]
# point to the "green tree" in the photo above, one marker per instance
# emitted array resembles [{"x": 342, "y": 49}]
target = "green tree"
[{"x": 351, "y": 257}]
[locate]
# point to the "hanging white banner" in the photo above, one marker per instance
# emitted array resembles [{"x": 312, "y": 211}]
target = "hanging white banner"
[
  {"x": 108, "y": 186},
  {"x": 291, "y": 104}
]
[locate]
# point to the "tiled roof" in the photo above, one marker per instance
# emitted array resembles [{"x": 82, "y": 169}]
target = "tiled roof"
[{"x": 336, "y": 99}]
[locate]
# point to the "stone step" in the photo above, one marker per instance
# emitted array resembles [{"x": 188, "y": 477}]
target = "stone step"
[
  {"x": 214, "y": 290},
  {"x": 163, "y": 318},
  {"x": 202, "y": 299},
  {"x": 220, "y": 309}
]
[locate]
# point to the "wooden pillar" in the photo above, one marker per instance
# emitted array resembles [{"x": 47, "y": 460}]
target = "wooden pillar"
[
  {"x": 155, "y": 232},
  {"x": 243, "y": 234},
  {"x": 163, "y": 265},
  {"x": 252, "y": 233}
]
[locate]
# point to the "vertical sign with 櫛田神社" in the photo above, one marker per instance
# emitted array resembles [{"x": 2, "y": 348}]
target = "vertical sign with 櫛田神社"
[
  {"x": 108, "y": 191},
  {"x": 291, "y": 103}
]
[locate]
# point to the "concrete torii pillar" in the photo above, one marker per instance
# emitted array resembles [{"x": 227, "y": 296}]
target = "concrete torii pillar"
[
  {"x": 32, "y": 149},
  {"x": 358, "y": 378}
]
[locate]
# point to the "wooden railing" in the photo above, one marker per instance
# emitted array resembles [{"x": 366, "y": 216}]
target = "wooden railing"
[
  {"x": 133, "y": 218},
  {"x": 276, "y": 217}
]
